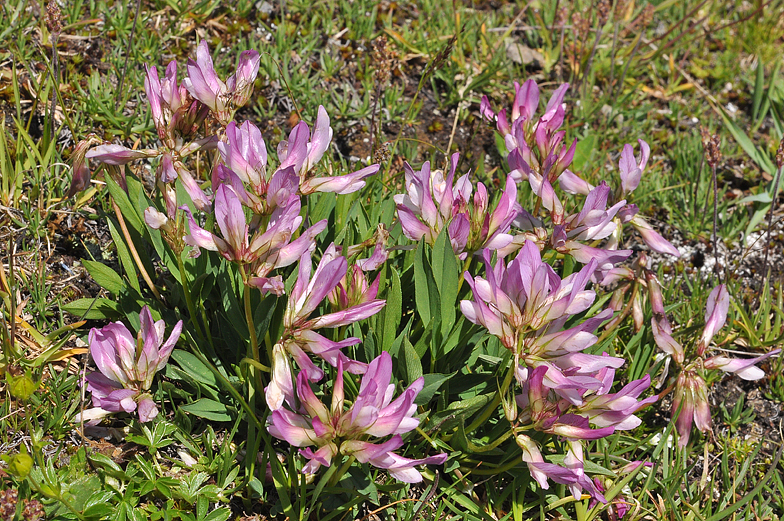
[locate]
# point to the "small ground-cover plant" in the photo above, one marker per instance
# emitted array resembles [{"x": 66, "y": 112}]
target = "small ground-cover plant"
[
  {"x": 262, "y": 335},
  {"x": 556, "y": 382}
]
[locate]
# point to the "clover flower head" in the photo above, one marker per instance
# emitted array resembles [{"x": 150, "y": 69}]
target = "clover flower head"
[
  {"x": 126, "y": 366},
  {"x": 221, "y": 97},
  {"x": 433, "y": 202},
  {"x": 335, "y": 429},
  {"x": 264, "y": 249},
  {"x": 300, "y": 336},
  {"x": 302, "y": 151}
]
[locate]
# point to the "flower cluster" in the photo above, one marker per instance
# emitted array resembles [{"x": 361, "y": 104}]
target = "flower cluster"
[
  {"x": 564, "y": 389},
  {"x": 253, "y": 213},
  {"x": 433, "y": 203},
  {"x": 338, "y": 429},
  {"x": 537, "y": 153},
  {"x": 300, "y": 336},
  {"x": 126, "y": 366},
  {"x": 255, "y": 224},
  {"x": 690, "y": 402},
  {"x": 268, "y": 248}
]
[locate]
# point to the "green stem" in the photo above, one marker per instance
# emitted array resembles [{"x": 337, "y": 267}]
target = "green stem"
[
  {"x": 625, "y": 313},
  {"x": 188, "y": 299},
  {"x": 225, "y": 384},
  {"x": 254, "y": 341},
  {"x": 490, "y": 409},
  {"x": 509, "y": 465},
  {"x": 491, "y": 446},
  {"x": 579, "y": 510},
  {"x": 563, "y": 501},
  {"x": 340, "y": 473},
  {"x": 467, "y": 265}
]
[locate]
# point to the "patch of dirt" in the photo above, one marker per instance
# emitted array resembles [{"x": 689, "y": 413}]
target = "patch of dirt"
[{"x": 768, "y": 414}]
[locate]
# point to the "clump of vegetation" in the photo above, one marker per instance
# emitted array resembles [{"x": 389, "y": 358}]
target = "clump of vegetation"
[{"x": 413, "y": 304}]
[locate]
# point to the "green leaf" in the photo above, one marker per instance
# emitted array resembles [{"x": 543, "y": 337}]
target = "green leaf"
[
  {"x": 124, "y": 204},
  {"x": 106, "y": 277},
  {"x": 590, "y": 466},
  {"x": 458, "y": 411},
  {"x": 208, "y": 409},
  {"x": 324, "y": 206},
  {"x": 446, "y": 273},
  {"x": 412, "y": 362},
  {"x": 100, "y": 511},
  {"x": 422, "y": 282},
  {"x": 759, "y": 90},
  {"x": 393, "y": 311},
  {"x": 124, "y": 254},
  {"x": 194, "y": 368},
  {"x": 98, "y": 498},
  {"x": 583, "y": 151},
  {"x": 762, "y": 197},
  {"x": 761, "y": 158},
  {"x": 107, "y": 463},
  {"x": 93, "y": 308},
  {"x": 433, "y": 381},
  {"x": 219, "y": 514}
]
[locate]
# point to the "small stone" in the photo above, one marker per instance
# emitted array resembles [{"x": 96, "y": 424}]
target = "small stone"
[
  {"x": 522, "y": 54},
  {"x": 264, "y": 7}
]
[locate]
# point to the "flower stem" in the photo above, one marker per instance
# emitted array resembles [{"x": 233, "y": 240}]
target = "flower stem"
[
  {"x": 509, "y": 465},
  {"x": 579, "y": 510},
  {"x": 340, "y": 473},
  {"x": 625, "y": 313},
  {"x": 461, "y": 276},
  {"x": 489, "y": 410},
  {"x": 188, "y": 299},
  {"x": 254, "y": 341},
  {"x": 490, "y": 446},
  {"x": 493, "y": 405}
]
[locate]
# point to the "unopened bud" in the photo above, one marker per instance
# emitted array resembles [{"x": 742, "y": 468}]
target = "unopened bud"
[
  {"x": 510, "y": 408},
  {"x": 155, "y": 219},
  {"x": 637, "y": 313}
]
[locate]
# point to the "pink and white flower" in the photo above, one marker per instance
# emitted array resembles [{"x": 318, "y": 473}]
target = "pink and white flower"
[
  {"x": 336, "y": 430},
  {"x": 126, "y": 366}
]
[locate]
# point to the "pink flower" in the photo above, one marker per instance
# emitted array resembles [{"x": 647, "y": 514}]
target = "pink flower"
[
  {"x": 126, "y": 366},
  {"x": 743, "y": 367},
  {"x": 169, "y": 104},
  {"x": 524, "y": 296},
  {"x": 80, "y": 166},
  {"x": 302, "y": 151},
  {"x": 631, "y": 170},
  {"x": 266, "y": 249},
  {"x": 618, "y": 409},
  {"x": 715, "y": 315},
  {"x": 118, "y": 154},
  {"x": 245, "y": 153},
  {"x": 299, "y": 336},
  {"x": 222, "y": 98},
  {"x": 660, "y": 325},
  {"x": 433, "y": 203},
  {"x": 691, "y": 397},
  {"x": 353, "y": 289},
  {"x": 336, "y": 430},
  {"x": 652, "y": 238}
]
